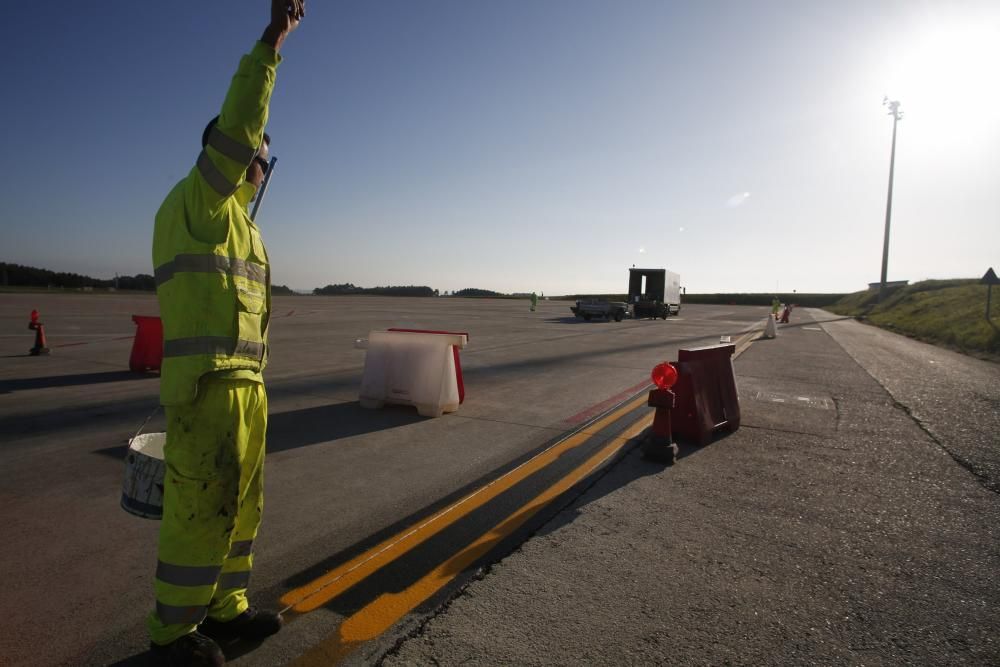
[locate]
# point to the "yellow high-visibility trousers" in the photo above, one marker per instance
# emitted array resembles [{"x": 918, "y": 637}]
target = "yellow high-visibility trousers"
[{"x": 212, "y": 505}]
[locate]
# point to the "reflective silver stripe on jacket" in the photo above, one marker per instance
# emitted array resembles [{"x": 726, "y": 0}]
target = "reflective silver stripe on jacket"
[
  {"x": 241, "y": 548},
  {"x": 210, "y": 264},
  {"x": 231, "y": 580},
  {"x": 173, "y": 615},
  {"x": 187, "y": 575},
  {"x": 215, "y": 178},
  {"x": 229, "y": 147},
  {"x": 219, "y": 345}
]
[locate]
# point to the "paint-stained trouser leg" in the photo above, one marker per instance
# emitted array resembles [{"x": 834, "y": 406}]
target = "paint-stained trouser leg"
[
  {"x": 211, "y": 506},
  {"x": 230, "y": 600}
]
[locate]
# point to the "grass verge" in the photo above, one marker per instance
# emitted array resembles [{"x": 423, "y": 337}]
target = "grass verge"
[{"x": 950, "y": 313}]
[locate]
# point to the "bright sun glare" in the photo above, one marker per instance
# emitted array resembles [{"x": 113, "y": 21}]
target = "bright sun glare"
[{"x": 945, "y": 77}]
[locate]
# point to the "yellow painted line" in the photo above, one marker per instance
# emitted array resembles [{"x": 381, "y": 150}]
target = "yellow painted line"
[
  {"x": 320, "y": 591},
  {"x": 746, "y": 340},
  {"x": 382, "y": 613}
]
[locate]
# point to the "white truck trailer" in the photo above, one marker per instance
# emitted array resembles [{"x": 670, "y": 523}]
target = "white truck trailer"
[{"x": 654, "y": 293}]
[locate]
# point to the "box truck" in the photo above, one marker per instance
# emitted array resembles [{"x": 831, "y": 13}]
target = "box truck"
[
  {"x": 654, "y": 292},
  {"x": 651, "y": 293}
]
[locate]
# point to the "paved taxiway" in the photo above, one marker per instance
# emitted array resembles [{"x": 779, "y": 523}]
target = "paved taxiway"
[{"x": 340, "y": 479}]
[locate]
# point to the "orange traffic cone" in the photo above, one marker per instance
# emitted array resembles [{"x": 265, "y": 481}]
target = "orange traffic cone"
[{"x": 40, "y": 345}]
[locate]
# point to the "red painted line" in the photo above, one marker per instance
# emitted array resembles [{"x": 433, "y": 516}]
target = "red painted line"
[{"x": 605, "y": 404}]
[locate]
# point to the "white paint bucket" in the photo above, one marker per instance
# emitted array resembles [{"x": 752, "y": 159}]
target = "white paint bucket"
[{"x": 142, "y": 491}]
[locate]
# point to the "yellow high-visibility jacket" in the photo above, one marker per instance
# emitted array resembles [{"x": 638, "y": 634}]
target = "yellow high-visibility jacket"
[{"x": 212, "y": 274}]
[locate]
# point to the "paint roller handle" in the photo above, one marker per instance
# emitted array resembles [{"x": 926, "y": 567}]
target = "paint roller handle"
[
  {"x": 146, "y": 421},
  {"x": 263, "y": 188}
]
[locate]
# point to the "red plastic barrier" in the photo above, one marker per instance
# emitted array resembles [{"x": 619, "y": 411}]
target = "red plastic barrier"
[
  {"x": 147, "y": 348},
  {"x": 458, "y": 363},
  {"x": 706, "y": 393}
]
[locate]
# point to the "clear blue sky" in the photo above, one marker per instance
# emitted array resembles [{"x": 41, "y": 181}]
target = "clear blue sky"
[{"x": 542, "y": 145}]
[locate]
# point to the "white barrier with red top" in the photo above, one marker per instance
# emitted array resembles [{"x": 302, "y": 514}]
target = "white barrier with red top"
[{"x": 414, "y": 367}]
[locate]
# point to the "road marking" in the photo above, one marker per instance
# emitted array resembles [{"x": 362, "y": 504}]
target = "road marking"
[
  {"x": 317, "y": 593},
  {"x": 744, "y": 341},
  {"x": 820, "y": 402},
  {"x": 377, "y": 616},
  {"x": 387, "y": 609},
  {"x": 606, "y": 404}
]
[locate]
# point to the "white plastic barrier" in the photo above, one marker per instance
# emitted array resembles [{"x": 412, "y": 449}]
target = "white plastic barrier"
[{"x": 412, "y": 368}]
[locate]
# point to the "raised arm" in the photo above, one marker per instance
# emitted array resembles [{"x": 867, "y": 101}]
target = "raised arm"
[
  {"x": 236, "y": 137},
  {"x": 285, "y": 17}
]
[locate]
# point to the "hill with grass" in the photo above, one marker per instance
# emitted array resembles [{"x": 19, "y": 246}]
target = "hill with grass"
[{"x": 950, "y": 313}]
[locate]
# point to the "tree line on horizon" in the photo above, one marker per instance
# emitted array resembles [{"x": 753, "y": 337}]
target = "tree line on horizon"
[
  {"x": 17, "y": 275},
  {"x": 388, "y": 290},
  {"x": 406, "y": 290}
]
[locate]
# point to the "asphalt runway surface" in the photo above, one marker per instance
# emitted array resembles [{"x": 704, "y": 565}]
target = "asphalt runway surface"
[
  {"x": 852, "y": 519},
  {"x": 551, "y": 402}
]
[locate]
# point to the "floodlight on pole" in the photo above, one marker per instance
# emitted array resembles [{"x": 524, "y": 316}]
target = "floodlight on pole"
[{"x": 896, "y": 114}]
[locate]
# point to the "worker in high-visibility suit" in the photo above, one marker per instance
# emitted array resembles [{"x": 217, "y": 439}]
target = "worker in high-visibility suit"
[{"x": 213, "y": 285}]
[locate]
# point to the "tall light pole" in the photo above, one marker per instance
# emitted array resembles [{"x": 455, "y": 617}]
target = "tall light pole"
[{"x": 896, "y": 116}]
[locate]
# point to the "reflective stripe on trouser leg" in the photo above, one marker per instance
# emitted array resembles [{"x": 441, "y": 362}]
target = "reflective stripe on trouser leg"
[
  {"x": 214, "y": 446},
  {"x": 230, "y": 599}
]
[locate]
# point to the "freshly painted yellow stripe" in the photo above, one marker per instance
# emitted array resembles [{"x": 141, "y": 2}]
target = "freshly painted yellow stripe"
[
  {"x": 745, "y": 341},
  {"x": 383, "y": 612},
  {"x": 317, "y": 593}
]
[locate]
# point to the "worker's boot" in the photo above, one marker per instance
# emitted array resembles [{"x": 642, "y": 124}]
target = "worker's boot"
[
  {"x": 253, "y": 624},
  {"x": 191, "y": 649}
]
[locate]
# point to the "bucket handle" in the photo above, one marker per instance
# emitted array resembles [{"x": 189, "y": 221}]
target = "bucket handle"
[{"x": 146, "y": 421}]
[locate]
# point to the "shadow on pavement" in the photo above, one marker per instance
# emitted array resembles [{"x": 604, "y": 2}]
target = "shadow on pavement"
[
  {"x": 631, "y": 467},
  {"x": 311, "y": 426},
  {"x": 519, "y": 520},
  {"x": 325, "y": 423},
  {"x": 7, "y": 386},
  {"x": 232, "y": 649},
  {"x": 572, "y": 319}
]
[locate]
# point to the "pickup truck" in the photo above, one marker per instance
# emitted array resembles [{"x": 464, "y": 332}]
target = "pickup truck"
[{"x": 591, "y": 308}]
